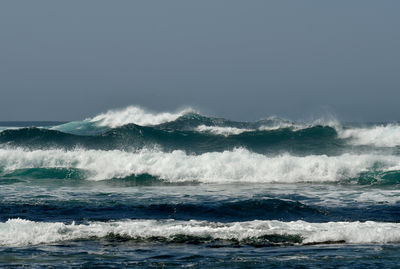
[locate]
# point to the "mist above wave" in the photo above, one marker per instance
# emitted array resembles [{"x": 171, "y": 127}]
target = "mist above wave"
[{"x": 136, "y": 115}]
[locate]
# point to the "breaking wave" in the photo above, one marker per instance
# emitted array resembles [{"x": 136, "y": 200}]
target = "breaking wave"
[
  {"x": 119, "y": 117},
  {"x": 136, "y": 115},
  {"x": 378, "y": 135},
  {"x": 20, "y": 232},
  {"x": 239, "y": 165},
  {"x": 186, "y": 128}
]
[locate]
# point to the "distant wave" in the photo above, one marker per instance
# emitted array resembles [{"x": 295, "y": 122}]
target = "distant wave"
[
  {"x": 383, "y": 135},
  {"x": 20, "y": 232},
  {"x": 185, "y": 119},
  {"x": 313, "y": 140}
]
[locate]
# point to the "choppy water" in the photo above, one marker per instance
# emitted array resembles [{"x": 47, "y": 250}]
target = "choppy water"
[{"x": 134, "y": 188}]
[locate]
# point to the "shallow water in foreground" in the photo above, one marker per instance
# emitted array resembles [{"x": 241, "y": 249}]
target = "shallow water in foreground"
[{"x": 113, "y": 224}]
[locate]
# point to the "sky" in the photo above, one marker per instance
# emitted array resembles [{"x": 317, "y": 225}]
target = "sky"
[{"x": 243, "y": 60}]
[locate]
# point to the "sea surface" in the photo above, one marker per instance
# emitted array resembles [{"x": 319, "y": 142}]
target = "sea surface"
[{"x": 133, "y": 188}]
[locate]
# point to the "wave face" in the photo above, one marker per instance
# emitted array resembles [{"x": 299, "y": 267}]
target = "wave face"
[
  {"x": 316, "y": 139},
  {"x": 180, "y": 188}
]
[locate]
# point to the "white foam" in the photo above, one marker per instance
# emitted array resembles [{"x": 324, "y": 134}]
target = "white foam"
[
  {"x": 280, "y": 126},
  {"x": 219, "y": 130},
  {"x": 337, "y": 198},
  {"x": 391, "y": 197},
  {"x": 226, "y": 131},
  {"x": 19, "y": 232},
  {"x": 239, "y": 165},
  {"x": 380, "y": 135},
  {"x": 296, "y": 126},
  {"x": 136, "y": 115}
]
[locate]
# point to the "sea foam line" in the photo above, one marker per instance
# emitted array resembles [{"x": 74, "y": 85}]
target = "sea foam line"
[{"x": 20, "y": 232}]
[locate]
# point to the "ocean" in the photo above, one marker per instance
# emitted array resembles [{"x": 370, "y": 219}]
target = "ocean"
[{"x": 132, "y": 188}]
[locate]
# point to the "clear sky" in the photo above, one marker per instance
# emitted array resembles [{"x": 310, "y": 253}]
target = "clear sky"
[{"x": 244, "y": 60}]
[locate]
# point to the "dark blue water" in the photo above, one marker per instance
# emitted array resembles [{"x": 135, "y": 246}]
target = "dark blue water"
[{"x": 136, "y": 189}]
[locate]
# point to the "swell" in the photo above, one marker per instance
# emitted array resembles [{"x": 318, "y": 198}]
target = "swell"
[
  {"x": 44, "y": 138},
  {"x": 78, "y": 210},
  {"x": 221, "y": 211},
  {"x": 316, "y": 139}
]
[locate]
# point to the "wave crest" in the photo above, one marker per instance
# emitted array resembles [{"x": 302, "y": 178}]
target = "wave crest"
[{"x": 136, "y": 115}]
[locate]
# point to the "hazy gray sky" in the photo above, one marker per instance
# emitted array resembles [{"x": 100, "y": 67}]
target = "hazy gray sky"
[{"x": 67, "y": 60}]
